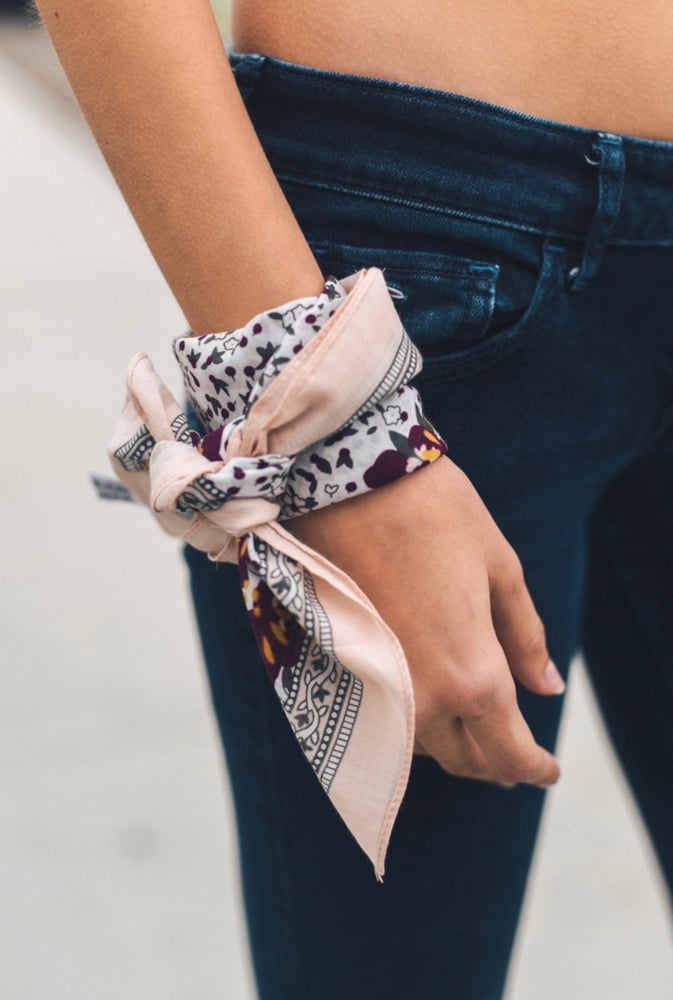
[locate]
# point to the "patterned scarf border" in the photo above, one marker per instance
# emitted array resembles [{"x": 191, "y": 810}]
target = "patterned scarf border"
[{"x": 306, "y": 405}]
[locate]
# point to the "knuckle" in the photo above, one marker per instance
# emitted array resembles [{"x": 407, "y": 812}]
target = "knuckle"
[
  {"x": 512, "y": 773},
  {"x": 461, "y": 768},
  {"x": 454, "y": 768},
  {"x": 432, "y": 704},
  {"x": 513, "y": 569},
  {"x": 477, "y": 694},
  {"x": 485, "y": 687},
  {"x": 517, "y": 770}
]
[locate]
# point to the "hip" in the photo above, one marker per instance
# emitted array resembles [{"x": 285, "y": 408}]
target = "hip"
[
  {"x": 530, "y": 260},
  {"x": 570, "y": 62}
]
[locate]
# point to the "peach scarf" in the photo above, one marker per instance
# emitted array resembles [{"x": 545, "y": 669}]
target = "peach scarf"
[{"x": 305, "y": 405}]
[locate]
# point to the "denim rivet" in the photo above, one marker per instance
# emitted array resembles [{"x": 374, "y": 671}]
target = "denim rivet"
[
  {"x": 573, "y": 272},
  {"x": 592, "y": 163}
]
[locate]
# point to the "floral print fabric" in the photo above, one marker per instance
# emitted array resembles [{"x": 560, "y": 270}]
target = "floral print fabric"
[
  {"x": 225, "y": 373},
  {"x": 308, "y": 404}
]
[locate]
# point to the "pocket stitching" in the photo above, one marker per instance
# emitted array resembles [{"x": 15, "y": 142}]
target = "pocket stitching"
[
  {"x": 506, "y": 342},
  {"x": 474, "y": 271},
  {"x": 477, "y": 356},
  {"x": 475, "y": 276}
]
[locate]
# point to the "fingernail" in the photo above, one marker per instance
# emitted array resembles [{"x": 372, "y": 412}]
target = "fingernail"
[{"x": 553, "y": 679}]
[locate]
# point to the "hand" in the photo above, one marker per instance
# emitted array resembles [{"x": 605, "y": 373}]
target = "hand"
[{"x": 430, "y": 557}]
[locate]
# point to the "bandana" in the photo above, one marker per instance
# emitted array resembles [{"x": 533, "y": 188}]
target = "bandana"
[{"x": 306, "y": 405}]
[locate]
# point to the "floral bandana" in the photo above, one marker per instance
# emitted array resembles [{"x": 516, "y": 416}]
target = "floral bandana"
[{"x": 307, "y": 404}]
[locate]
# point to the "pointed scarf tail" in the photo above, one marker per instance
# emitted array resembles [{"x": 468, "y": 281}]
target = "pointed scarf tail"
[
  {"x": 285, "y": 436},
  {"x": 371, "y": 745}
]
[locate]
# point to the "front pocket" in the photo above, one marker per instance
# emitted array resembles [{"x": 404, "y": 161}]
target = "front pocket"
[{"x": 461, "y": 312}]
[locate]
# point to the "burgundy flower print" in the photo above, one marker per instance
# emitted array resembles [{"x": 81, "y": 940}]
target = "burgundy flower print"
[{"x": 421, "y": 446}]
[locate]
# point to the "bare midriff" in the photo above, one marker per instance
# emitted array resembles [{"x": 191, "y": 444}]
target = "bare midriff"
[{"x": 602, "y": 64}]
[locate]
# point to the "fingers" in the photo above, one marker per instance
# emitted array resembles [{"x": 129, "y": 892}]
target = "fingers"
[
  {"x": 520, "y": 630},
  {"x": 462, "y": 646},
  {"x": 511, "y": 756},
  {"x": 471, "y": 723},
  {"x": 468, "y": 717},
  {"x": 495, "y": 721},
  {"x": 454, "y": 748}
]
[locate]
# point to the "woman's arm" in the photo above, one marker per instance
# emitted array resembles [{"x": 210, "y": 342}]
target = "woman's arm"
[{"x": 154, "y": 83}]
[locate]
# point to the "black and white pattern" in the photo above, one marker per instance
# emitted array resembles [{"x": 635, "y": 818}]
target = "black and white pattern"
[
  {"x": 226, "y": 504},
  {"x": 320, "y": 697},
  {"x": 226, "y": 373},
  {"x": 134, "y": 454}
]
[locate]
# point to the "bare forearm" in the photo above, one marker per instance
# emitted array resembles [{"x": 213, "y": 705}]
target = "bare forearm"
[{"x": 154, "y": 83}]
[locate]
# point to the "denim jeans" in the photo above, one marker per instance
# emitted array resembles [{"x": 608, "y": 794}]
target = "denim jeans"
[{"x": 532, "y": 262}]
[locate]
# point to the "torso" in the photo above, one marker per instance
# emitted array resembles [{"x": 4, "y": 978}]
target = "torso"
[{"x": 604, "y": 65}]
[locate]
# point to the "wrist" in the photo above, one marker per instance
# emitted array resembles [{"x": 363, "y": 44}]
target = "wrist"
[
  {"x": 254, "y": 282},
  {"x": 324, "y": 383}
]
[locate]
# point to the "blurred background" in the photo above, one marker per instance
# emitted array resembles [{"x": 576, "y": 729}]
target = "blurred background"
[{"x": 117, "y": 850}]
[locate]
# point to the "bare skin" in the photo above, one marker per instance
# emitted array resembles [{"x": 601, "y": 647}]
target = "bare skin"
[
  {"x": 466, "y": 644},
  {"x": 155, "y": 85},
  {"x": 604, "y": 64}
]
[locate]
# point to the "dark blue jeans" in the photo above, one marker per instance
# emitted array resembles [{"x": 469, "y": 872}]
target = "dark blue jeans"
[{"x": 532, "y": 262}]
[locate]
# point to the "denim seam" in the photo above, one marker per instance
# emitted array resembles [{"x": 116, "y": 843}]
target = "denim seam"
[
  {"x": 624, "y": 242},
  {"x": 325, "y": 183},
  {"x": 398, "y": 199},
  {"x": 468, "y": 281},
  {"x": 472, "y": 279}
]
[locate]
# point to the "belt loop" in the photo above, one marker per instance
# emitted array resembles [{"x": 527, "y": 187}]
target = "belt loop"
[
  {"x": 246, "y": 67},
  {"x": 607, "y": 156}
]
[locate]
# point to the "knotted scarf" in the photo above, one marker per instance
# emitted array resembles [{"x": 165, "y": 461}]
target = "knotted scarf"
[{"x": 308, "y": 404}]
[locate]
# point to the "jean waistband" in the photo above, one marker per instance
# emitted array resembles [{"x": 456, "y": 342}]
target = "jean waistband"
[{"x": 449, "y": 153}]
